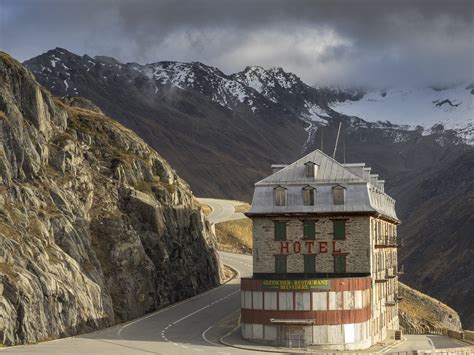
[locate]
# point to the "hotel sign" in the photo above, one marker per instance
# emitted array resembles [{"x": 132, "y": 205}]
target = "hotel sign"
[{"x": 296, "y": 285}]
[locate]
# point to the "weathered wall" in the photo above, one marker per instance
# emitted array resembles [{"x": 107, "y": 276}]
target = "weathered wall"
[{"x": 356, "y": 244}]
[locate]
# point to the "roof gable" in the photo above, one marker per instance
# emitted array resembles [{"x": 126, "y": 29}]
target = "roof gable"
[{"x": 329, "y": 170}]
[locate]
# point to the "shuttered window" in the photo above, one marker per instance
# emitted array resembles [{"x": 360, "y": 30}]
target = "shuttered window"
[
  {"x": 310, "y": 169},
  {"x": 339, "y": 229},
  {"x": 280, "y": 263},
  {"x": 339, "y": 263},
  {"x": 308, "y": 196},
  {"x": 280, "y": 230},
  {"x": 309, "y": 229},
  {"x": 279, "y": 196},
  {"x": 309, "y": 263},
  {"x": 339, "y": 195}
]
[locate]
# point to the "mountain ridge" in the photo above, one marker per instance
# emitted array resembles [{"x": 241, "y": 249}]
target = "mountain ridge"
[{"x": 221, "y": 146}]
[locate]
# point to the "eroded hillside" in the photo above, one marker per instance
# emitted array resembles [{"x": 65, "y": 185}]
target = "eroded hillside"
[{"x": 95, "y": 227}]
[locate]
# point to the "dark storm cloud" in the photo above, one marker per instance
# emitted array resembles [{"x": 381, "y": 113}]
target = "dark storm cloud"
[{"x": 346, "y": 42}]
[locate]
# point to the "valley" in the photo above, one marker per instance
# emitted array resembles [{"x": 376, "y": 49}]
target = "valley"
[{"x": 222, "y": 132}]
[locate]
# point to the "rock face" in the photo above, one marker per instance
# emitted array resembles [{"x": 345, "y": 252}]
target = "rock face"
[
  {"x": 418, "y": 311},
  {"x": 95, "y": 227}
]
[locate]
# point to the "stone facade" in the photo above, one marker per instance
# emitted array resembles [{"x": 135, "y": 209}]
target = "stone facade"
[
  {"x": 325, "y": 263},
  {"x": 356, "y": 244}
]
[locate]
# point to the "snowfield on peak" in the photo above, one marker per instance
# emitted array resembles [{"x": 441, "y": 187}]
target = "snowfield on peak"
[{"x": 409, "y": 107}]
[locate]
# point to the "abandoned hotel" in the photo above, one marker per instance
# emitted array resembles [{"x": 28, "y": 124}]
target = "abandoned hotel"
[{"x": 324, "y": 257}]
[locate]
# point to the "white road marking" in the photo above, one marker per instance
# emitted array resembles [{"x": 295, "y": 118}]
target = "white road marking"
[
  {"x": 203, "y": 335},
  {"x": 191, "y": 314},
  {"x": 431, "y": 343}
]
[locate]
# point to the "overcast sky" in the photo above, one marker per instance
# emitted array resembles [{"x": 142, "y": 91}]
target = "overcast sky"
[{"x": 347, "y": 43}]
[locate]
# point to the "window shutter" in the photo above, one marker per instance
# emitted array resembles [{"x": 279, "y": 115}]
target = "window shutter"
[
  {"x": 339, "y": 263},
  {"x": 308, "y": 196},
  {"x": 339, "y": 229},
  {"x": 309, "y": 263},
  {"x": 280, "y": 263},
  {"x": 309, "y": 169},
  {"x": 339, "y": 195},
  {"x": 280, "y": 230},
  {"x": 309, "y": 229},
  {"x": 279, "y": 196}
]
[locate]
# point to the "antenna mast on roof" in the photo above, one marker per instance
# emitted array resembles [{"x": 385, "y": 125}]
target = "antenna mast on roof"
[
  {"x": 344, "y": 144},
  {"x": 337, "y": 139},
  {"x": 322, "y": 137}
]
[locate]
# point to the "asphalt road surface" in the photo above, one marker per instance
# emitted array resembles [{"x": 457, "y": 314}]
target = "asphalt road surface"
[
  {"x": 426, "y": 342},
  {"x": 179, "y": 329},
  {"x": 222, "y": 210},
  {"x": 188, "y": 327}
]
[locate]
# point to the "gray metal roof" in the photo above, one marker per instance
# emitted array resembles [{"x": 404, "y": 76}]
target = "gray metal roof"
[
  {"x": 329, "y": 170},
  {"x": 364, "y": 192}
]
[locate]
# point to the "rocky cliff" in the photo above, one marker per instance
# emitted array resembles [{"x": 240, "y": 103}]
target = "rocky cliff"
[
  {"x": 95, "y": 227},
  {"x": 418, "y": 311}
]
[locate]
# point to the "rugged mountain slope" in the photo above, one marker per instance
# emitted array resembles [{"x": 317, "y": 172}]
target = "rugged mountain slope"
[
  {"x": 222, "y": 132},
  {"x": 210, "y": 125},
  {"x": 438, "y": 253},
  {"x": 95, "y": 227},
  {"x": 204, "y": 140}
]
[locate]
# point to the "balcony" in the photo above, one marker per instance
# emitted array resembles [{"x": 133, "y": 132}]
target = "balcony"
[
  {"x": 392, "y": 272},
  {"x": 391, "y": 302},
  {"x": 386, "y": 242}
]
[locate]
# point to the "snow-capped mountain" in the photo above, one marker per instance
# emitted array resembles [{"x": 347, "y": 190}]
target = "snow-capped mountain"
[
  {"x": 452, "y": 107},
  {"x": 254, "y": 88},
  {"x": 268, "y": 92}
]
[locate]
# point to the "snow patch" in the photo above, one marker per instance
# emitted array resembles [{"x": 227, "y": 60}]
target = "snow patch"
[{"x": 426, "y": 107}]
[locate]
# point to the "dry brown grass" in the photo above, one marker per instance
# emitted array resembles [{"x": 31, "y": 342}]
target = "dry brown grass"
[
  {"x": 235, "y": 236},
  {"x": 244, "y": 207}
]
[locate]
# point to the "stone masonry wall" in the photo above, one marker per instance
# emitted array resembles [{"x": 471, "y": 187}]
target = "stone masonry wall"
[{"x": 356, "y": 244}]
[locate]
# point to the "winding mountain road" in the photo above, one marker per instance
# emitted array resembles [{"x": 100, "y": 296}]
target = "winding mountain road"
[
  {"x": 185, "y": 327},
  {"x": 180, "y": 328},
  {"x": 192, "y": 326},
  {"x": 222, "y": 210}
]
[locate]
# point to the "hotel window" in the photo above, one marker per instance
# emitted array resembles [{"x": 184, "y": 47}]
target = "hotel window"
[
  {"x": 308, "y": 196},
  {"x": 309, "y": 229},
  {"x": 309, "y": 263},
  {"x": 280, "y": 230},
  {"x": 310, "y": 169},
  {"x": 339, "y": 263},
  {"x": 279, "y": 196},
  {"x": 339, "y": 194},
  {"x": 280, "y": 264},
  {"x": 339, "y": 229}
]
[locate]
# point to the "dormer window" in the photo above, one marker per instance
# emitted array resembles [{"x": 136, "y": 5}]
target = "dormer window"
[
  {"x": 308, "y": 195},
  {"x": 339, "y": 194},
  {"x": 279, "y": 196},
  {"x": 310, "y": 169}
]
